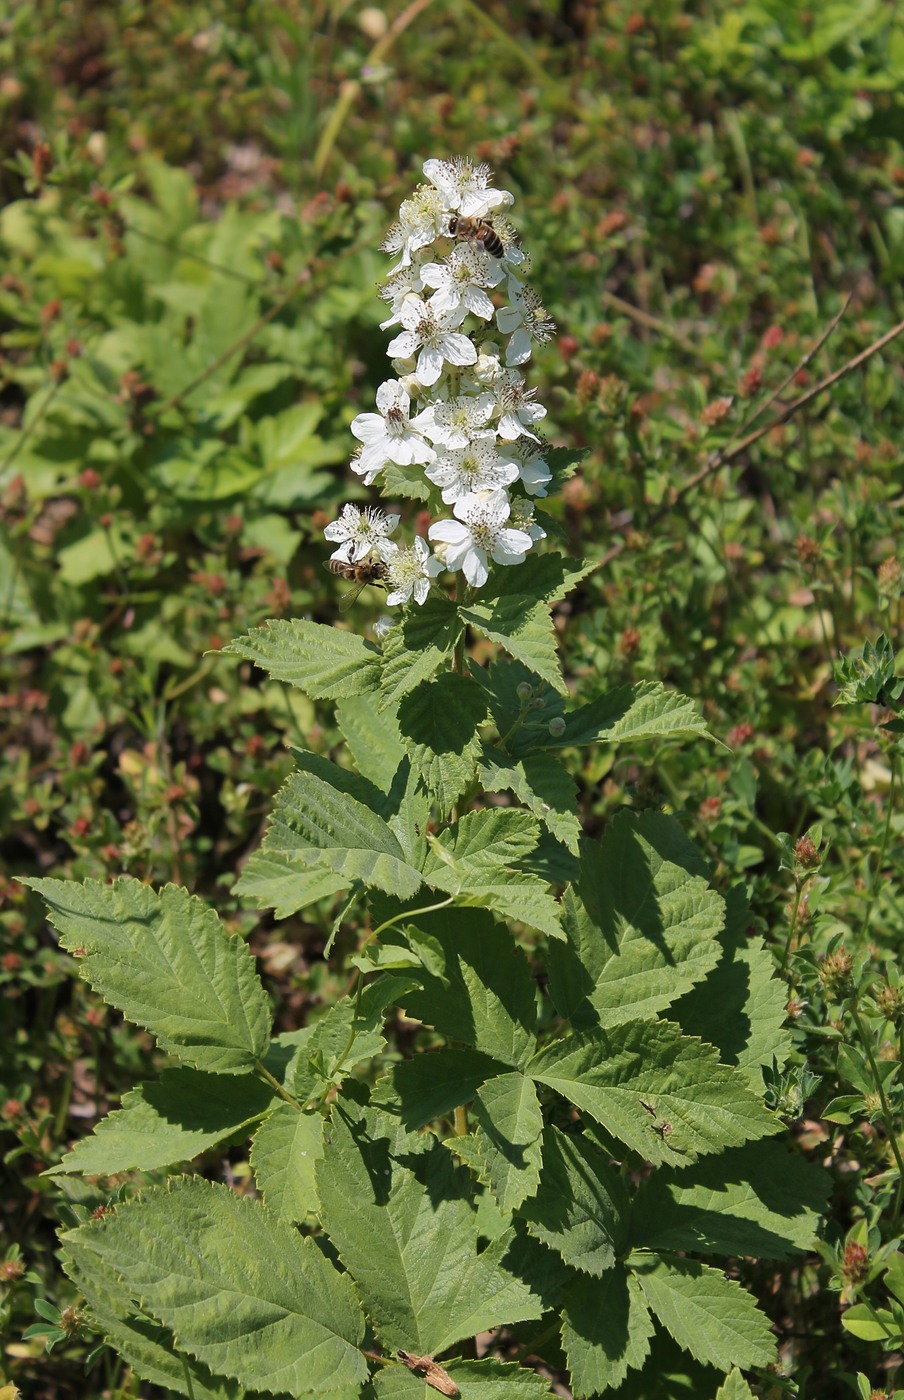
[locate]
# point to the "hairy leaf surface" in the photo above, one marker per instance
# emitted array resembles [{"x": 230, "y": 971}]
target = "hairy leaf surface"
[
  {"x": 241, "y": 1292},
  {"x": 606, "y": 1331},
  {"x": 287, "y": 1147},
  {"x": 401, "y": 1213},
  {"x": 165, "y": 960},
  {"x": 325, "y": 662},
  {"x": 581, "y": 1208}
]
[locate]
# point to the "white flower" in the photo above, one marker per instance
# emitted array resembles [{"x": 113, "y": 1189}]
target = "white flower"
[
  {"x": 454, "y": 422},
  {"x": 465, "y": 187},
  {"x": 460, "y": 282},
  {"x": 435, "y": 339},
  {"x": 477, "y": 467},
  {"x": 528, "y": 319},
  {"x": 397, "y": 288},
  {"x": 480, "y": 531},
  {"x": 535, "y": 474},
  {"x": 409, "y": 572},
  {"x": 523, "y": 518},
  {"x": 518, "y": 411},
  {"x": 421, "y": 219},
  {"x": 362, "y": 533},
  {"x": 389, "y": 436}
]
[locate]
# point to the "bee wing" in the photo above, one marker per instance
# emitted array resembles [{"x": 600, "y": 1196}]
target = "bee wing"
[{"x": 349, "y": 599}]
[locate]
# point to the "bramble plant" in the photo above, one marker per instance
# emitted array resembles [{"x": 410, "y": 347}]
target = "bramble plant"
[{"x": 547, "y": 1167}]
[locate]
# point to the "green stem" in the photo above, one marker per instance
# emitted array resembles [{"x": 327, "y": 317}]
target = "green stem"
[
  {"x": 275, "y": 1085},
  {"x": 458, "y": 655},
  {"x": 189, "y": 1387},
  {"x": 798, "y": 895},
  {"x": 461, "y": 1121},
  {"x": 887, "y": 1122}
]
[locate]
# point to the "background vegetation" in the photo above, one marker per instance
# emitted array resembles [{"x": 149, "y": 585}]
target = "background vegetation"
[{"x": 194, "y": 197}]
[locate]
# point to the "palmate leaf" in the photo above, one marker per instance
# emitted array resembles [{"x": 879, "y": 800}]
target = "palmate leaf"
[
  {"x": 641, "y": 924},
  {"x": 606, "y": 1331},
  {"x": 401, "y": 1214},
  {"x": 416, "y": 648},
  {"x": 141, "y": 1342},
  {"x": 581, "y": 1208},
  {"x": 479, "y": 990},
  {"x": 758, "y": 1200},
  {"x": 241, "y": 1292},
  {"x": 325, "y": 662},
  {"x": 287, "y": 1147},
  {"x": 710, "y": 1316},
  {"x": 643, "y": 1075},
  {"x": 505, "y": 1150},
  {"x": 167, "y": 1121},
  {"x": 438, "y": 722},
  {"x": 167, "y": 963}
]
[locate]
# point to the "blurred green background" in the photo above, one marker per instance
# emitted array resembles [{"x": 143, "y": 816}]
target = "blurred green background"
[{"x": 193, "y": 201}]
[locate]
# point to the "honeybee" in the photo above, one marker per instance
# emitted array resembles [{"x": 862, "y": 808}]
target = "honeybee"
[
  {"x": 480, "y": 232},
  {"x": 364, "y": 572}
]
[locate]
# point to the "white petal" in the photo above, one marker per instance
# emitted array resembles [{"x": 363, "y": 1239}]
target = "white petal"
[
  {"x": 475, "y": 567},
  {"x": 511, "y": 545},
  {"x": 434, "y": 274},
  {"x": 451, "y": 532},
  {"x": 476, "y": 300},
  {"x": 447, "y": 299},
  {"x": 518, "y": 350},
  {"x": 430, "y": 365},
  {"x": 509, "y": 318},
  {"x": 391, "y": 395},
  {"x": 368, "y": 427},
  {"x": 411, "y": 313},
  {"x": 458, "y": 349},
  {"x": 404, "y": 345},
  {"x": 401, "y": 595}
]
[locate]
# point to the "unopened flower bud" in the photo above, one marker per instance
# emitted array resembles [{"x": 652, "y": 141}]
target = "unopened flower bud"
[
  {"x": 525, "y": 692},
  {"x": 556, "y": 727}
]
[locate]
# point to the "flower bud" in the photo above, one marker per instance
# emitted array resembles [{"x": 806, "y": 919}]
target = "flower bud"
[{"x": 556, "y": 727}]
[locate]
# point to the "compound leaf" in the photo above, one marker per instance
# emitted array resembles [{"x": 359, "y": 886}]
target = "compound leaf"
[
  {"x": 710, "y": 1316},
  {"x": 606, "y": 1331},
  {"x": 581, "y": 1208}
]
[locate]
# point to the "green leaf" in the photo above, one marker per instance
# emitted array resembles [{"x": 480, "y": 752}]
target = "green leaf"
[
  {"x": 710, "y": 1316},
  {"x": 476, "y": 1380},
  {"x": 759, "y": 1200},
  {"x": 740, "y": 1007},
  {"x": 373, "y": 739},
  {"x": 606, "y": 1331},
  {"x": 287, "y": 1147},
  {"x": 275, "y": 882},
  {"x": 641, "y": 924},
  {"x": 438, "y": 722},
  {"x": 543, "y": 784},
  {"x": 318, "y": 823},
  {"x": 349, "y": 1032},
  {"x": 167, "y": 963},
  {"x": 416, "y": 648},
  {"x": 735, "y": 1387},
  {"x": 581, "y": 1208},
  {"x": 326, "y": 663},
  {"x": 168, "y": 1121},
  {"x": 475, "y": 860},
  {"x": 429, "y": 1086},
  {"x": 506, "y": 1148},
  {"x": 141, "y": 1342},
  {"x": 402, "y": 1216},
  {"x": 482, "y": 991},
  {"x": 525, "y": 628},
  {"x": 240, "y": 1291},
  {"x": 636, "y": 1078},
  {"x": 631, "y": 714},
  {"x": 869, "y": 1324}
]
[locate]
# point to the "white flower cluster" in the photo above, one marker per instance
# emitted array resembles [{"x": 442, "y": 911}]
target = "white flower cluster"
[{"x": 467, "y": 322}]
